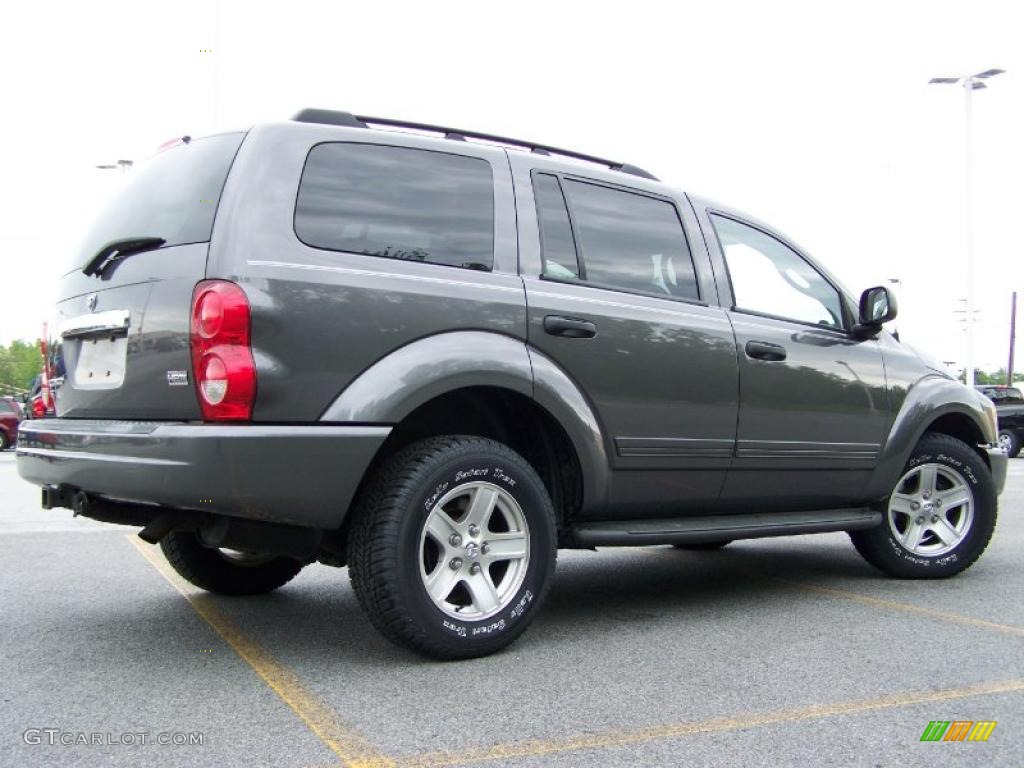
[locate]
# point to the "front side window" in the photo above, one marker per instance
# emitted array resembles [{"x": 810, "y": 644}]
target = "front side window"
[
  {"x": 769, "y": 277},
  {"x": 631, "y": 241},
  {"x": 399, "y": 203}
]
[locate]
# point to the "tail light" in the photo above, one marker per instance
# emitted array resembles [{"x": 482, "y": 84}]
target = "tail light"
[{"x": 222, "y": 363}]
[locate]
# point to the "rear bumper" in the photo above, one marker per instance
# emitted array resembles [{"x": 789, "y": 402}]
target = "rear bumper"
[{"x": 302, "y": 475}]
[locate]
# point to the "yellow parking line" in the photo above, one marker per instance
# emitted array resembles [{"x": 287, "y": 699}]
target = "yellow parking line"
[
  {"x": 879, "y": 602},
  {"x": 352, "y": 749},
  {"x": 536, "y": 748}
]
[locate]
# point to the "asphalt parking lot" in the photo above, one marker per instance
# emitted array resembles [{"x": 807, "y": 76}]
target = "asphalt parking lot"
[{"x": 788, "y": 651}]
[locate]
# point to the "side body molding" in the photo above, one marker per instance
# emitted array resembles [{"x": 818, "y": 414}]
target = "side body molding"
[
  {"x": 925, "y": 401},
  {"x": 394, "y": 386}
]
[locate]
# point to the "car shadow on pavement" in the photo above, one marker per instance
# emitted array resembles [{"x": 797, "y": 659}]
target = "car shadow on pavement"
[{"x": 317, "y": 619}]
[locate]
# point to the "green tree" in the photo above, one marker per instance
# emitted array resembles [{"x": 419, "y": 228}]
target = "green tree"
[{"x": 20, "y": 363}]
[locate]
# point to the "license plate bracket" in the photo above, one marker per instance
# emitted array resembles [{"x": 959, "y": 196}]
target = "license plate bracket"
[{"x": 101, "y": 363}]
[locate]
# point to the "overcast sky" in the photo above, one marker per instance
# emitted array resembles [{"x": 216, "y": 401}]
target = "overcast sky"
[{"x": 813, "y": 116}]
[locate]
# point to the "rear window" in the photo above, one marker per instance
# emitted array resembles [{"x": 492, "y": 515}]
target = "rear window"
[
  {"x": 399, "y": 203},
  {"x": 1005, "y": 395},
  {"x": 172, "y": 195}
]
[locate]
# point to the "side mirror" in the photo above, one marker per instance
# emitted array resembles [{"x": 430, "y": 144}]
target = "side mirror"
[{"x": 877, "y": 306}]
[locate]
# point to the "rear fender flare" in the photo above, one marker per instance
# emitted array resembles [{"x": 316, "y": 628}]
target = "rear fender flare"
[{"x": 399, "y": 383}]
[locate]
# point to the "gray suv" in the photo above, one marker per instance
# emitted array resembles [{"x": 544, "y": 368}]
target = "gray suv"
[{"x": 437, "y": 356}]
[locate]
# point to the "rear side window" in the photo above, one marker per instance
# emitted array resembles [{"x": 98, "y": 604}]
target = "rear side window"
[
  {"x": 556, "y": 239},
  {"x": 399, "y": 203},
  {"x": 631, "y": 241},
  {"x": 172, "y": 195}
]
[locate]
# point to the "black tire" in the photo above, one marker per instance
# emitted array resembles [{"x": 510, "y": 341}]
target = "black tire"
[
  {"x": 880, "y": 546},
  {"x": 704, "y": 546},
  {"x": 1011, "y": 440},
  {"x": 3, "y": 441},
  {"x": 385, "y": 549},
  {"x": 214, "y": 571}
]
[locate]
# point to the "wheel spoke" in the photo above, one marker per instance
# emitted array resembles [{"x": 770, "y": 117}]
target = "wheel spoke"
[
  {"x": 441, "y": 582},
  {"x": 485, "y": 596},
  {"x": 912, "y": 536},
  {"x": 506, "y": 546},
  {"x": 481, "y": 506},
  {"x": 954, "y": 497},
  {"x": 945, "y": 531},
  {"x": 900, "y": 502},
  {"x": 441, "y": 527},
  {"x": 928, "y": 478}
]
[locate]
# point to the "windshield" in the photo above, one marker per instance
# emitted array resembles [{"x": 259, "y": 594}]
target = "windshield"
[{"x": 172, "y": 195}]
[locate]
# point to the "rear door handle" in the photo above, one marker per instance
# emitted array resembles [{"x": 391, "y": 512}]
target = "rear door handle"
[
  {"x": 569, "y": 327},
  {"x": 763, "y": 350}
]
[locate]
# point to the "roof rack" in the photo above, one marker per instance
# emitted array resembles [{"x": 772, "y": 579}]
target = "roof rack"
[{"x": 347, "y": 119}]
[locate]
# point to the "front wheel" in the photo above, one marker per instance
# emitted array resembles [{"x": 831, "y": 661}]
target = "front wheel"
[
  {"x": 452, "y": 547},
  {"x": 939, "y": 517}
]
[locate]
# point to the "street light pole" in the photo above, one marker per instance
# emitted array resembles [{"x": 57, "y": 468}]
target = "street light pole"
[
  {"x": 970, "y": 83},
  {"x": 969, "y": 226}
]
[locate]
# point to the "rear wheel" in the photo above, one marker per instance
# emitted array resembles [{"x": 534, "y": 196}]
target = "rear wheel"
[
  {"x": 226, "y": 571},
  {"x": 1009, "y": 442},
  {"x": 452, "y": 547},
  {"x": 4, "y": 442},
  {"x": 939, "y": 517}
]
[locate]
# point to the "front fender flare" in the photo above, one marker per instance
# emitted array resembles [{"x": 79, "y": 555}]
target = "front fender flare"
[{"x": 928, "y": 399}]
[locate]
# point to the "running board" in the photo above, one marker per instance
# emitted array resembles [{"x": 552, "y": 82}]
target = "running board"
[{"x": 696, "y": 530}]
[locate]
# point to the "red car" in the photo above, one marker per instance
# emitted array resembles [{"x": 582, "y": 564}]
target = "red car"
[{"x": 10, "y": 416}]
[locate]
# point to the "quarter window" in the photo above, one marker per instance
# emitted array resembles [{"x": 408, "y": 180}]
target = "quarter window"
[
  {"x": 399, "y": 203},
  {"x": 631, "y": 242},
  {"x": 771, "y": 278},
  {"x": 557, "y": 244}
]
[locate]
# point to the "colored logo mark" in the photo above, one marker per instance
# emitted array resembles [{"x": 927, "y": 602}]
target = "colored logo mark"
[{"x": 958, "y": 730}]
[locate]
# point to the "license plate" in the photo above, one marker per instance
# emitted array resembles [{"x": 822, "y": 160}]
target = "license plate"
[{"x": 101, "y": 363}]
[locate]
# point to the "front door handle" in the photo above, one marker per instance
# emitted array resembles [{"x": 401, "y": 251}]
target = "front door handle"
[
  {"x": 569, "y": 327},
  {"x": 763, "y": 350}
]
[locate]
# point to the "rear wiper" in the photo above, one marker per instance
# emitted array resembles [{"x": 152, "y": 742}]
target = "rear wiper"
[{"x": 116, "y": 250}]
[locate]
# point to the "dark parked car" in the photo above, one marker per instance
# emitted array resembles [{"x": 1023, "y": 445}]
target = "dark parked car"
[
  {"x": 11, "y": 415},
  {"x": 1009, "y": 402},
  {"x": 439, "y": 358}
]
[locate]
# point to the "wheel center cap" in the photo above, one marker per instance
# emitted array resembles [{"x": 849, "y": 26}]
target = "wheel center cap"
[{"x": 472, "y": 550}]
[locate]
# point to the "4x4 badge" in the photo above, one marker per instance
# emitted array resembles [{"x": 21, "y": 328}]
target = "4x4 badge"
[
  {"x": 91, "y": 302},
  {"x": 177, "y": 378}
]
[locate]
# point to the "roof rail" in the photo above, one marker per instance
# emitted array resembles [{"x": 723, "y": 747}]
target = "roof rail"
[{"x": 332, "y": 117}]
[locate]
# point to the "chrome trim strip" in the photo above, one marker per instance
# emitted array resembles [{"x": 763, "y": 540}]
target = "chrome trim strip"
[
  {"x": 112, "y": 320},
  {"x": 674, "y": 446},
  {"x": 50, "y": 453},
  {"x": 711, "y": 316},
  {"x": 373, "y": 273}
]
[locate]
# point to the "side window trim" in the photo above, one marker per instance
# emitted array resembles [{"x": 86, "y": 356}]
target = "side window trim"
[
  {"x": 847, "y": 325},
  {"x": 581, "y": 255}
]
